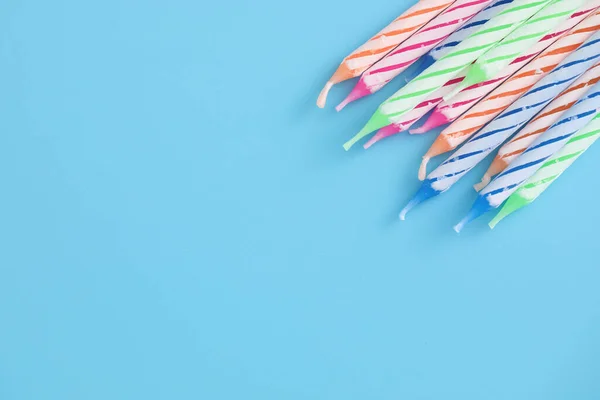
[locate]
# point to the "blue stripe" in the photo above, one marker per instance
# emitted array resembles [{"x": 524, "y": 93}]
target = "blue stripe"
[
  {"x": 547, "y": 142},
  {"x": 538, "y": 89},
  {"x": 574, "y": 118},
  {"x": 432, "y": 180},
  {"x": 472, "y": 24},
  {"x": 568, "y": 65},
  {"x": 588, "y": 97},
  {"x": 514, "y": 185},
  {"x": 463, "y": 156},
  {"x": 521, "y": 109},
  {"x": 588, "y": 44},
  {"x": 523, "y": 166},
  {"x": 495, "y": 131},
  {"x": 450, "y": 44}
]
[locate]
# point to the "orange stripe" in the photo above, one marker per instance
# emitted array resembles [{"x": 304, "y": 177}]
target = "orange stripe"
[
  {"x": 554, "y": 111},
  {"x": 511, "y": 93},
  {"x": 533, "y": 72},
  {"x": 562, "y": 50},
  {"x": 590, "y": 29},
  {"x": 514, "y": 153},
  {"x": 421, "y": 12},
  {"x": 368, "y": 53},
  {"x": 398, "y": 31},
  {"x": 465, "y": 132},
  {"x": 486, "y": 112}
]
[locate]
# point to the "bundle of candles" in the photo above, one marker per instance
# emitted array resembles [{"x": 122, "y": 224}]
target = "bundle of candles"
[{"x": 520, "y": 76}]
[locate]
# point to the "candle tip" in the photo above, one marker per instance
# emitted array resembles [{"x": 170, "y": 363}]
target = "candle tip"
[
  {"x": 322, "y": 99},
  {"x": 514, "y": 203},
  {"x": 484, "y": 182},
  {"x": 480, "y": 207},
  {"x": 425, "y": 192},
  {"x": 423, "y": 168}
]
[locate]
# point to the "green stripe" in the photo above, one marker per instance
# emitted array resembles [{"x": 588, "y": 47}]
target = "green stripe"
[
  {"x": 526, "y": 37},
  {"x": 535, "y": 184},
  {"x": 584, "y": 136},
  {"x": 561, "y": 159},
  {"x": 413, "y": 94},
  {"x": 523, "y": 7},
  {"x": 438, "y": 73},
  {"x": 511, "y": 56},
  {"x": 489, "y": 30},
  {"x": 467, "y": 51},
  {"x": 557, "y": 15},
  {"x": 396, "y": 114}
]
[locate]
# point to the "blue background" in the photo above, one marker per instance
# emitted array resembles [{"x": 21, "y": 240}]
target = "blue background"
[{"x": 179, "y": 221}]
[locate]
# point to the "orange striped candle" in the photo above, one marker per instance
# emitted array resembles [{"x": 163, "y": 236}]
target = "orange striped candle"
[{"x": 385, "y": 41}]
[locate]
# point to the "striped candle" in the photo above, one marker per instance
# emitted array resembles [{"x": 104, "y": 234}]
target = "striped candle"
[
  {"x": 507, "y": 123},
  {"x": 540, "y": 124},
  {"x": 506, "y": 94},
  {"x": 533, "y": 187},
  {"x": 385, "y": 41},
  {"x": 489, "y": 65},
  {"x": 544, "y": 147},
  {"x": 399, "y": 59},
  {"x": 449, "y": 111},
  {"x": 450, "y": 66}
]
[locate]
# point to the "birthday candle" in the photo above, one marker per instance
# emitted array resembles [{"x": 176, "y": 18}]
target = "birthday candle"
[
  {"x": 533, "y": 187},
  {"x": 450, "y": 66},
  {"x": 383, "y": 42},
  {"x": 507, "y": 123},
  {"x": 403, "y": 56},
  {"x": 494, "y": 61},
  {"x": 507, "y": 93},
  {"x": 449, "y": 111},
  {"x": 540, "y": 124},
  {"x": 544, "y": 147}
]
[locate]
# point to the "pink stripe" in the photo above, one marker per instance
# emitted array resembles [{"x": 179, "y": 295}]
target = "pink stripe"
[
  {"x": 524, "y": 58},
  {"x": 460, "y": 104},
  {"x": 580, "y": 13},
  {"x": 453, "y": 22},
  {"x": 393, "y": 67},
  {"x": 432, "y": 42},
  {"x": 454, "y": 81},
  {"x": 427, "y": 103}
]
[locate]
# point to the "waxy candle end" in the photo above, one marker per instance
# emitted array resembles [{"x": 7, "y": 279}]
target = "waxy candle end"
[
  {"x": 377, "y": 121},
  {"x": 498, "y": 165},
  {"x": 359, "y": 91},
  {"x": 480, "y": 207},
  {"x": 423, "y": 168},
  {"x": 484, "y": 182},
  {"x": 425, "y": 192},
  {"x": 384, "y": 132},
  {"x": 436, "y": 119},
  {"x": 322, "y": 99},
  {"x": 512, "y": 204}
]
